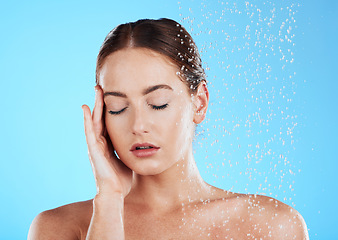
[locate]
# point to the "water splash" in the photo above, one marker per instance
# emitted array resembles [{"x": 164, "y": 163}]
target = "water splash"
[{"x": 248, "y": 51}]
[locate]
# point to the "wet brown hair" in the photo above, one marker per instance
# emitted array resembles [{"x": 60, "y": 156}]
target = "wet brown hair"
[{"x": 164, "y": 36}]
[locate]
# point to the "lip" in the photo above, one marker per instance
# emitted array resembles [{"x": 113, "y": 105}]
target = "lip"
[{"x": 144, "y": 152}]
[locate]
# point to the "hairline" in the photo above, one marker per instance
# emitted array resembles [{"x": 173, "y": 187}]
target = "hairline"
[{"x": 147, "y": 50}]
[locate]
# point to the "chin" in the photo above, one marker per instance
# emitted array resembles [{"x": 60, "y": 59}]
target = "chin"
[
  {"x": 148, "y": 168},
  {"x": 148, "y": 171}
]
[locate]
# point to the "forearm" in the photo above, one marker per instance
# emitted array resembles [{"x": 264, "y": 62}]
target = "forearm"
[{"x": 107, "y": 219}]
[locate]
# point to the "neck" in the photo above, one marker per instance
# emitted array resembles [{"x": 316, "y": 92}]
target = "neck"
[{"x": 178, "y": 185}]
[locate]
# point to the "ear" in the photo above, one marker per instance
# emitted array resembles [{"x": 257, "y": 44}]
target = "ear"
[{"x": 201, "y": 101}]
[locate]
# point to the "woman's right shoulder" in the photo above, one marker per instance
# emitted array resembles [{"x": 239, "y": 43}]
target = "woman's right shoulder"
[{"x": 70, "y": 221}]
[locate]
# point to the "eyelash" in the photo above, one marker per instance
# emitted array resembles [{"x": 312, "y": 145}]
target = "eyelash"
[
  {"x": 116, "y": 113},
  {"x": 152, "y": 106},
  {"x": 159, "y": 107}
]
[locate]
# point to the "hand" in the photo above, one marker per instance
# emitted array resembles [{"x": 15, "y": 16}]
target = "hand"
[{"x": 111, "y": 175}]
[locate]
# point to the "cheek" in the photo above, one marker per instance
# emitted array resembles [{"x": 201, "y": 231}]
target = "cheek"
[{"x": 181, "y": 126}]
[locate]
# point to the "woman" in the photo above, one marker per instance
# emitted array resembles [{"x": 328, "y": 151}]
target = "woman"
[{"x": 151, "y": 91}]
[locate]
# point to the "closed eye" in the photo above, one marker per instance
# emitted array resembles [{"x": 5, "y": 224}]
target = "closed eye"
[
  {"x": 117, "y": 112},
  {"x": 159, "y": 107}
]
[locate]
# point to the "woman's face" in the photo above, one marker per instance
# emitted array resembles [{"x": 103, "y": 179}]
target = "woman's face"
[{"x": 149, "y": 111}]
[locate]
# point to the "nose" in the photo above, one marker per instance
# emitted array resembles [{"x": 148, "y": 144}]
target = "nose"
[{"x": 139, "y": 122}]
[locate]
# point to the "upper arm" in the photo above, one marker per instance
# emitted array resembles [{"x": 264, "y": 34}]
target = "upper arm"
[{"x": 51, "y": 224}]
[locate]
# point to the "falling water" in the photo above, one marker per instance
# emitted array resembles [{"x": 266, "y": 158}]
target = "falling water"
[{"x": 247, "y": 48}]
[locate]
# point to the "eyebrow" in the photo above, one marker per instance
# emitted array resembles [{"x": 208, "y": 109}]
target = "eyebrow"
[{"x": 145, "y": 91}]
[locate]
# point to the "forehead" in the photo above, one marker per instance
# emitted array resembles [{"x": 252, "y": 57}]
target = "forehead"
[{"x": 139, "y": 67}]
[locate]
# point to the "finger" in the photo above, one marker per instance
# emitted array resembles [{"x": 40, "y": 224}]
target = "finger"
[
  {"x": 88, "y": 124},
  {"x": 97, "y": 166},
  {"x": 97, "y": 112}
]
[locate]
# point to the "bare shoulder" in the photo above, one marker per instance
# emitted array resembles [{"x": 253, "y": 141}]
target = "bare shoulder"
[
  {"x": 269, "y": 218},
  {"x": 70, "y": 221},
  {"x": 285, "y": 221}
]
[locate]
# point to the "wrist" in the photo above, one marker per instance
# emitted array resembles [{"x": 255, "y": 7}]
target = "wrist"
[{"x": 116, "y": 199}]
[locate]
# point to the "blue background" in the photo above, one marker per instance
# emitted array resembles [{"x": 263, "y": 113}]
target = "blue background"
[{"x": 271, "y": 128}]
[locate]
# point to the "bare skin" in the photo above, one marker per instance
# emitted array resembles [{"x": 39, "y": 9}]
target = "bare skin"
[
  {"x": 217, "y": 219},
  {"x": 161, "y": 196}
]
